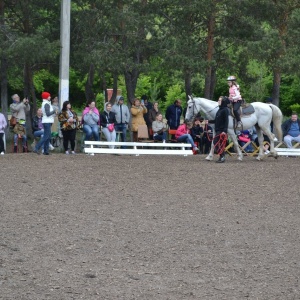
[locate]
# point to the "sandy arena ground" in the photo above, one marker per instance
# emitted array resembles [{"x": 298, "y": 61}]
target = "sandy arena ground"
[{"x": 148, "y": 227}]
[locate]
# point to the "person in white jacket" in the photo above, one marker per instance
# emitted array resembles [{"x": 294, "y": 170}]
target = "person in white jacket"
[
  {"x": 47, "y": 120},
  {"x": 3, "y": 125}
]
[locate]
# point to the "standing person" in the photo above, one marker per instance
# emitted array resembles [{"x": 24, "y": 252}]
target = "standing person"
[
  {"x": 154, "y": 111},
  {"x": 38, "y": 129},
  {"x": 221, "y": 126},
  {"x": 138, "y": 110},
  {"x": 47, "y": 120},
  {"x": 91, "y": 121},
  {"x": 68, "y": 123},
  {"x": 173, "y": 114},
  {"x": 108, "y": 120},
  {"x": 159, "y": 129},
  {"x": 55, "y": 127},
  {"x": 236, "y": 99},
  {"x": 19, "y": 109},
  {"x": 148, "y": 105},
  {"x": 122, "y": 117},
  {"x": 183, "y": 134},
  {"x": 3, "y": 125},
  {"x": 291, "y": 130}
]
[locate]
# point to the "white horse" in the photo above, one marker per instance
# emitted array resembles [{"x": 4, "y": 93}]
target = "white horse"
[{"x": 261, "y": 119}]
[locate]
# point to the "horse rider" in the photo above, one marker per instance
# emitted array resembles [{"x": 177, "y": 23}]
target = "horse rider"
[
  {"x": 235, "y": 98},
  {"x": 221, "y": 126}
]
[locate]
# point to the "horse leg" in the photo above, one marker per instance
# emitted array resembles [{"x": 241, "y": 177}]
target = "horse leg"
[
  {"x": 236, "y": 145},
  {"x": 260, "y": 138},
  {"x": 210, "y": 156},
  {"x": 271, "y": 137}
]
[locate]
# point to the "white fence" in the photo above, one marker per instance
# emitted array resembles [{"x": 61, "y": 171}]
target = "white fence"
[{"x": 136, "y": 148}]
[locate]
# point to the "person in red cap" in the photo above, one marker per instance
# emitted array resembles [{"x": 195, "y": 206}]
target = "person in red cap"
[{"x": 48, "y": 118}]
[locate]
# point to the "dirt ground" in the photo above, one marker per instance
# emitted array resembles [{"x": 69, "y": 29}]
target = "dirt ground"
[{"x": 148, "y": 227}]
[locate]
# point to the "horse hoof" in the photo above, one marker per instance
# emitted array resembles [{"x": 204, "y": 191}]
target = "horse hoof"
[
  {"x": 240, "y": 158},
  {"x": 209, "y": 158}
]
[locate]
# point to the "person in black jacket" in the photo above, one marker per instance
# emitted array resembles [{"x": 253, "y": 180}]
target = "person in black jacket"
[
  {"x": 197, "y": 132},
  {"x": 173, "y": 114},
  {"x": 221, "y": 126}
]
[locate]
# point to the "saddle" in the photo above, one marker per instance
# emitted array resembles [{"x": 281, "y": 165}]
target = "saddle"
[{"x": 246, "y": 109}]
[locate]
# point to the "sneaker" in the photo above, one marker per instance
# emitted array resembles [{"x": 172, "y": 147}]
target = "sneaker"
[
  {"x": 196, "y": 149},
  {"x": 2, "y": 153},
  {"x": 51, "y": 148},
  {"x": 221, "y": 159},
  {"x": 73, "y": 152},
  {"x": 46, "y": 153},
  {"x": 67, "y": 152},
  {"x": 267, "y": 152},
  {"x": 275, "y": 139},
  {"x": 35, "y": 151}
]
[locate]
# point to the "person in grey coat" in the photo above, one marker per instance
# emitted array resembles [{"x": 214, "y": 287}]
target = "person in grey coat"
[{"x": 122, "y": 116}]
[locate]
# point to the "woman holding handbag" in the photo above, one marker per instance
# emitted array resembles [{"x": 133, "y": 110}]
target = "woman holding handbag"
[
  {"x": 68, "y": 123},
  {"x": 107, "y": 121}
]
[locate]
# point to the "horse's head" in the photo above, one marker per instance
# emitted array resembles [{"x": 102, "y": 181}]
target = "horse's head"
[{"x": 191, "y": 109}]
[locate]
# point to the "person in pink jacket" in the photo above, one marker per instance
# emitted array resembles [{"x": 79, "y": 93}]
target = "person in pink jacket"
[
  {"x": 183, "y": 134},
  {"x": 235, "y": 98}
]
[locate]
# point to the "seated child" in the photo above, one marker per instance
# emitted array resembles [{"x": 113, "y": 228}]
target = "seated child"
[
  {"x": 244, "y": 137},
  {"x": 20, "y": 132},
  {"x": 196, "y": 133}
]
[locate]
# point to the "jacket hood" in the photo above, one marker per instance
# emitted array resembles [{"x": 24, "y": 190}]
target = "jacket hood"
[
  {"x": 224, "y": 103},
  {"x": 119, "y": 98}
]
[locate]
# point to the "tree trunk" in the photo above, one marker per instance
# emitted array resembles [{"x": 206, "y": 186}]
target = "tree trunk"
[
  {"x": 210, "y": 51},
  {"x": 276, "y": 86},
  {"x": 115, "y": 88},
  {"x": 212, "y": 82},
  {"x": 131, "y": 81},
  {"x": 3, "y": 70},
  {"x": 89, "y": 93},
  {"x": 28, "y": 86},
  {"x": 187, "y": 82},
  {"x": 104, "y": 87},
  {"x": 4, "y": 96}
]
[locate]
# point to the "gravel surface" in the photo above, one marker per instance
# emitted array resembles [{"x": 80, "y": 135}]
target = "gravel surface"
[{"x": 148, "y": 227}]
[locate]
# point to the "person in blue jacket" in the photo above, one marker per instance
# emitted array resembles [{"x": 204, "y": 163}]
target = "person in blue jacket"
[{"x": 173, "y": 114}]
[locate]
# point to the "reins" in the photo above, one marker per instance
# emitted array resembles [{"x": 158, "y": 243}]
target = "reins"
[{"x": 221, "y": 144}]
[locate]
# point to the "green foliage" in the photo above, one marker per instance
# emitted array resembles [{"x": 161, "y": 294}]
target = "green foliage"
[
  {"x": 154, "y": 91},
  {"x": 257, "y": 90},
  {"x": 143, "y": 86},
  {"x": 174, "y": 92},
  {"x": 295, "y": 108}
]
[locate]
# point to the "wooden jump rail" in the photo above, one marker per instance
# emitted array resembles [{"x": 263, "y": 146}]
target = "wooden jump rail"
[{"x": 136, "y": 148}]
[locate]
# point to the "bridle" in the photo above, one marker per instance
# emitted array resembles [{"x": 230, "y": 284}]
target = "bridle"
[{"x": 195, "y": 111}]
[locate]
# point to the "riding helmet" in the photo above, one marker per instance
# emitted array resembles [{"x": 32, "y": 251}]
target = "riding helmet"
[{"x": 231, "y": 78}]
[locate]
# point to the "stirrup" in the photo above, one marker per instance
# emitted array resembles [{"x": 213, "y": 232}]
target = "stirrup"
[{"x": 239, "y": 124}]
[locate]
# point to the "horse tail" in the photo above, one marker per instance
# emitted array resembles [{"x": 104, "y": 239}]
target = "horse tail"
[{"x": 277, "y": 120}]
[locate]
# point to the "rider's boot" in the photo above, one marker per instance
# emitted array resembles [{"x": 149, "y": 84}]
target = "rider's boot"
[{"x": 239, "y": 123}]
